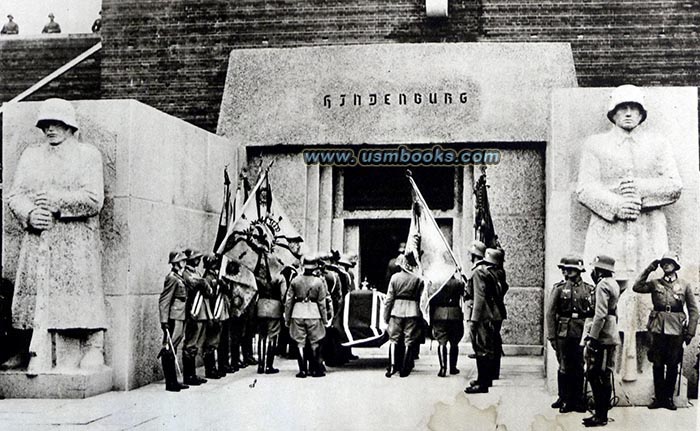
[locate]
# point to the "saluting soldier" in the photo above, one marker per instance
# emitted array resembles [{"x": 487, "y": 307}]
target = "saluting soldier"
[
  {"x": 197, "y": 316},
  {"x": 601, "y": 337},
  {"x": 171, "y": 307},
  {"x": 402, "y": 314},
  {"x": 485, "y": 316},
  {"x": 305, "y": 315},
  {"x": 571, "y": 302},
  {"x": 448, "y": 322},
  {"x": 269, "y": 311},
  {"x": 219, "y": 313},
  {"x": 668, "y": 324}
]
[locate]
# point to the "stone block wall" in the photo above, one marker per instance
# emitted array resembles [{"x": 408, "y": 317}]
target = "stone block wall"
[{"x": 163, "y": 191}]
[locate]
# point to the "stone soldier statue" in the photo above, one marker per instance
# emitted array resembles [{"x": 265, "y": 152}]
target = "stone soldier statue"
[
  {"x": 52, "y": 26},
  {"x": 668, "y": 325},
  {"x": 403, "y": 316},
  {"x": 269, "y": 312},
  {"x": 305, "y": 315},
  {"x": 171, "y": 307},
  {"x": 626, "y": 176},
  {"x": 447, "y": 321},
  {"x": 485, "y": 316},
  {"x": 10, "y": 27},
  {"x": 198, "y": 314},
  {"x": 570, "y": 303},
  {"x": 57, "y": 195},
  {"x": 219, "y": 313},
  {"x": 600, "y": 338}
]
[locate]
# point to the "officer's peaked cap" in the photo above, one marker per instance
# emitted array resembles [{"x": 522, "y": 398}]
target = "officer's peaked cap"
[
  {"x": 57, "y": 110},
  {"x": 309, "y": 261}
]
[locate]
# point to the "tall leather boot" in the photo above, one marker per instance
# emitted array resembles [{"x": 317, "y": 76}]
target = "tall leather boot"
[
  {"x": 578, "y": 392},
  {"x": 567, "y": 395},
  {"x": 189, "y": 370},
  {"x": 391, "y": 369},
  {"x": 166, "y": 360},
  {"x": 407, "y": 365},
  {"x": 301, "y": 361},
  {"x": 496, "y": 370},
  {"x": 454, "y": 355},
  {"x": 262, "y": 348},
  {"x": 247, "y": 350},
  {"x": 483, "y": 381},
  {"x": 442, "y": 358},
  {"x": 318, "y": 370},
  {"x": 270, "y": 359},
  {"x": 560, "y": 391},
  {"x": 210, "y": 371},
  {"x": 670, "y": 386},
  {"x": 236, "y": 356},
  {"x": 659, "y": 392}
]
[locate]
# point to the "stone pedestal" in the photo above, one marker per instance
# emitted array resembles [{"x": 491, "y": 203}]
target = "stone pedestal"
[
  {"x": 75, "y": 384},
  {"x": 577, "y": 114},
  {"x": 163, "y": 182}
]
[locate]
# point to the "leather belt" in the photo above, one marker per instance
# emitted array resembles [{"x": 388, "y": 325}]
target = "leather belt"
[{"x": 669, "y": 309}]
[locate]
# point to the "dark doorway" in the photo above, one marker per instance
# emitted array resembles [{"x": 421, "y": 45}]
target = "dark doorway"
[{"x": 379, "y": 243}]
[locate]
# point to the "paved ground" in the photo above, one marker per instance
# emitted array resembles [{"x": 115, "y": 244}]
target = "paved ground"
[{"x": 357, "y": 397}]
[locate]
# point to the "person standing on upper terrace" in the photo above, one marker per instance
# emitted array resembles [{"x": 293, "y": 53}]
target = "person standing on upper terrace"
[
  {"x": 10, "y": 27},
  {"x": 52, "y": 26}
]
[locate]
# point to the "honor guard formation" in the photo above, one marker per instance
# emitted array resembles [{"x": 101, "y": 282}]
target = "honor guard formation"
[{"x": 292, "y": 313}]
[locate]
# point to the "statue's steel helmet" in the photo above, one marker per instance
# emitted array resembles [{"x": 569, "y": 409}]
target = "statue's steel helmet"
[
  {"x": 57, "y": 110},
  {"x": 626, "y": 94}
]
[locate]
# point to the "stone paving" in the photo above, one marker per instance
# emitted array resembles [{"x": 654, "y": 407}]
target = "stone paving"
[{"x": 357, "y": 397}]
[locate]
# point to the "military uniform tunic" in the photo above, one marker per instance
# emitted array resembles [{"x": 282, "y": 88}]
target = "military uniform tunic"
[
  {"x": 667, "y": 321},
  {"x": 305, "y": 309},
  {"x": 569, "y": 305},
  {"x": 486, "y": 313},
  {"x": 171, "y": 306},
  {"x": 447, "y": 319},
  {"x": 401, "y": 310}
]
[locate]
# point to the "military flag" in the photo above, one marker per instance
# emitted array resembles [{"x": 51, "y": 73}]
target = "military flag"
[
  {"x": 484, "y": 229},
  {"x": 436, "y": 261}
]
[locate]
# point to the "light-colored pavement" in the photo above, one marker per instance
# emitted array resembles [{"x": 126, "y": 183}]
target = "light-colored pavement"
[{"x": 357, "y": 397}]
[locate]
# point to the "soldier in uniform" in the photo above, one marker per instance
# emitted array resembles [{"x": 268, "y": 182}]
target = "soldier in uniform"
[
  {"x": 571, "y": 302},
  {"x": 10, "y": 27},
  {"x": 403, "y": 315},
  {"x": 219, "y": 313},
  {"x": 52, "y": 26},
  {"x": 393, "y": 266},
  {"x": 305, "y": 315},
  {"x": 497, "y": 256},
  {"x": 269, "y": 311},
  {"x": 197, "y": 316},
  {"x": 171, "y": 306},
  {"x": 601, "y": 336},
  {"x": 448, "y": 322},
  {"x": 485, "y": 316},
  {"x": 668, "y": 325}
]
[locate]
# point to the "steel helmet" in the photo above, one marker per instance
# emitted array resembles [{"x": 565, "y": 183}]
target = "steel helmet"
[
  {"x": 57, "y": 110},
  {"x": 176, "y": 256},
  {"x": 478, "y": 248},
  {"x": 573, "y": 262},
  {"x": 671, "y": 257},
  {"x": 626, "y": 94},
  {"x": 604, "y": 262}
]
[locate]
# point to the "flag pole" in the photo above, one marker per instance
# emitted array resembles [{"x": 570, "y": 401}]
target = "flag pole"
[{"x": 409, "y": 174}]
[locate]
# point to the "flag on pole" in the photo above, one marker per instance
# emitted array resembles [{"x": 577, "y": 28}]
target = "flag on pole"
[
  {"x": 484, "y": 229},
  {"x": 436, "y": 260}
]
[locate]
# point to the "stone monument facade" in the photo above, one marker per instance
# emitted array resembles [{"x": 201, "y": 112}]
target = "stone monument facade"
[{"x": 629, "y": 194}]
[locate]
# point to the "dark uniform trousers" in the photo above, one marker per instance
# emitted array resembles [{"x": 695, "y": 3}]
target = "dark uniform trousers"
[
  {"x": 571, "y": 302},
  {"x": 603, "y": 334},
  {"x": 668, "y": 326}
]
